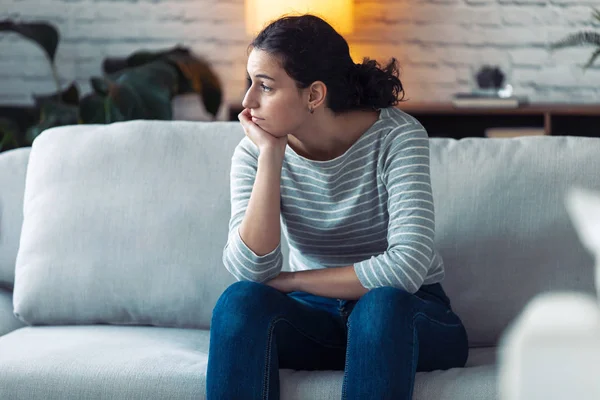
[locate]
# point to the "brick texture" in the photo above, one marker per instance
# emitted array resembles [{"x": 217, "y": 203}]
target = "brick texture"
[{"x": 439, "y": 43}]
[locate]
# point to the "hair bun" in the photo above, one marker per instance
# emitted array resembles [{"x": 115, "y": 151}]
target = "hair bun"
[{"x": 374, "y": 87}]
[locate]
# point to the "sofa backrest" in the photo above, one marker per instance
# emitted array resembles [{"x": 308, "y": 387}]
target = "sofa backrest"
[
  {"x": 501, "y": 223},
  {"x": 13, "y": 167}
]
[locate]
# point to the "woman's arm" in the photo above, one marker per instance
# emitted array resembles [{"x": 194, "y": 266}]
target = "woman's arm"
[
  {"x": 337, "y": 283},
  {"x": 260, "y": 228},
  {"x": 404, "y": 170},
  {"x": 252, "y": 251}
]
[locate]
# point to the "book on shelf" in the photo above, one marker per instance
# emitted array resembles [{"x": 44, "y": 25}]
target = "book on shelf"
[
  {"x": 512, "y": 132},
  {"x": 476, "y": 100}
]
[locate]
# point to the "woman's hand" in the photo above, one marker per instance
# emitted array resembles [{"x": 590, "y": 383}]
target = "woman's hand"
[{"x": 261, "y": 138}]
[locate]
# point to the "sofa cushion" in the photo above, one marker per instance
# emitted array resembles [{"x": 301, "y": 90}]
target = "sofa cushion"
[
  {"x": 125, "y": 224},
  {"x": 458, "y": 383},
  {"x": 103, "y": 362},
  {"x": 13, "y": 167},
  {"x": 502, "y": 227},
  {"x": 117, "y": 362},
  {"x": 584, "y": 210},
  {"x": 8, "y": 322}
]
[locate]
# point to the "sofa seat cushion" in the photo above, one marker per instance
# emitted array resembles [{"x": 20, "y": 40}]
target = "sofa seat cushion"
[
  {"x": 459, "y": 383},
  {"x": 482, "y": 356},
  {"x": 117, "y": 362},
  {"x": 8, "y": 322},
  {"x": 103, "y": 362}
]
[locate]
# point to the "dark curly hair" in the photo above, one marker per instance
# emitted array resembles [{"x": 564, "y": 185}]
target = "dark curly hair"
[{"x": 310, "y": 50}]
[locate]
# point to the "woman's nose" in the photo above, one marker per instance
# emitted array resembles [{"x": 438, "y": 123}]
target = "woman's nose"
[{"x": 249, "y": 100}]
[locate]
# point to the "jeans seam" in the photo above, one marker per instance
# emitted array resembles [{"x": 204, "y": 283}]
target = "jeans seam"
[
  {"x": 306, "y": 335},
  {"x": 268, "y": 359},
  {"x": 422, "y": 314},
  {"x": 344, "y": 380},
  {"x": 269, "y": 348},
  {"x": 414, "y": 363}
]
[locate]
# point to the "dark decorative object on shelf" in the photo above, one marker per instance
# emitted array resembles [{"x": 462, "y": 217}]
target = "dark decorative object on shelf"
[
  {"x": 491, "y": 91},
  {"x": 490, "y": 77},
  {"x": 140, "y": 86},
  {"x": 581, "y": 39}
]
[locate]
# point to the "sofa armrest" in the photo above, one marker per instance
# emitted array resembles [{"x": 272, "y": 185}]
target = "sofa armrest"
[
  {"x": 552, "y": 350},
  {"x": 8, "y": 321}
]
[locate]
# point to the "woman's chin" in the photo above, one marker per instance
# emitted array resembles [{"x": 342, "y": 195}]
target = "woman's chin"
[{"x": 272, "y": 133}]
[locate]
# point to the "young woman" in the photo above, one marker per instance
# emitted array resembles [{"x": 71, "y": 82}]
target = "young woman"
[{"x": 328, "y": 157}]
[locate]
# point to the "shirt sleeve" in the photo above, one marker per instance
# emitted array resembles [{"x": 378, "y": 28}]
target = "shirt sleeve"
[
  {"x": 404, "y": 170},
  {"x": 238, "y": 258}
]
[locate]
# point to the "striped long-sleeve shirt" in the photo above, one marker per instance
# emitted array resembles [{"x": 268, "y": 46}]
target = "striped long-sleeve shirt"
[{"x": 371, "y": 207}]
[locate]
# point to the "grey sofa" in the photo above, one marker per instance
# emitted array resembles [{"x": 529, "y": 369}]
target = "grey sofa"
[{"x": 111, "y": 240}]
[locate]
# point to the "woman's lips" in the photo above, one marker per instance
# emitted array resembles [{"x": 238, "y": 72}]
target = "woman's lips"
[{"x": 254, "y": 119}]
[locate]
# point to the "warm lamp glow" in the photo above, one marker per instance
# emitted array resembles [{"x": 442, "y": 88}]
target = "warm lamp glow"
[{"x": 338, "y": 13}]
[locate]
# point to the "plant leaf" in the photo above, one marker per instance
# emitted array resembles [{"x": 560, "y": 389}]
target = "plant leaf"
[
  {"x": 596, "y": 14},
  {"x": 197, "y": 76},
  {"x": 142, "y": 92},
  {"x": 194, "y": 74},
  {"x": 53, "y": 114},
  {"x": 100, "y": 85},
  {"x": 577, "y": 39},
  {"x": 98, "y": 109},
  {"x": 68, "y": 96},
  {"x": 145, "y": 92},
  {"x": 9, "y": 130},
  {"x": 113, "y": 65},
  {"x": 42, "y": 33},
  {"x": 595, "y": 55}
]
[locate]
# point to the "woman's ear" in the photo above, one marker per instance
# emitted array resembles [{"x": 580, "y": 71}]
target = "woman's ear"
[{"x": 316, "y": 94}]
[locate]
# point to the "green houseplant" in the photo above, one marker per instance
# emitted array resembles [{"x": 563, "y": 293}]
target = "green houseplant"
[
  {"x": 582, "y": 38},
  {"x": 140, "y": 86}
]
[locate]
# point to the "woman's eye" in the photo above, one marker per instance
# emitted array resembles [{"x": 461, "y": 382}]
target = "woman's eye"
[{"x": 265, "y": 87}]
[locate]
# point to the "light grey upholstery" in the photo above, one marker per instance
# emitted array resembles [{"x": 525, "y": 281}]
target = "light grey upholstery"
[
  {"x": 8, "y": 322},
  {"x": 147, "y": 363},
  {"x": 135, "y": 213},
  {"x": 13, "y": 167},
  {"x": 502, "y": 226}
]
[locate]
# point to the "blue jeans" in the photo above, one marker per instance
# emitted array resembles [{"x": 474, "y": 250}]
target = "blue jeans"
[{"x": 379, "y": 341}]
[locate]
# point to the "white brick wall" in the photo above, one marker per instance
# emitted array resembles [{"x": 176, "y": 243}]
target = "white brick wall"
[{"x": 439, "y": 43}]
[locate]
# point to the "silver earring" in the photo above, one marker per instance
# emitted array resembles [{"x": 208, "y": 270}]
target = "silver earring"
[{"x": 311, "y": 110}]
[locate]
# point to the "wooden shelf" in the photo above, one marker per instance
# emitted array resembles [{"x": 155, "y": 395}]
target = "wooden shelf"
[
  {"x": 445, "y": 120},
  {"x": 552, "y": 108}
]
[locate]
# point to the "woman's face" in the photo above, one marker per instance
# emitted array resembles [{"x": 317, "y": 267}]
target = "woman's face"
[{"x": 274, "y": 100}]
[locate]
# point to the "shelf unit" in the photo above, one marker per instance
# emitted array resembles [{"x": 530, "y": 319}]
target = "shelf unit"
[{"x": 445, "y": 120}]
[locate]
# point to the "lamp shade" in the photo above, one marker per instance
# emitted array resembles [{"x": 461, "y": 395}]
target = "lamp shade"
[{"x": 338, "y": 13}]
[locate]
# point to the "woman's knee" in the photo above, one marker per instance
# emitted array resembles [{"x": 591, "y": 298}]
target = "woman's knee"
[
  {"x": 243, "y": 302},
  {"x": 243, "y": 295},
  {"x": 379, "y": 306},
  {"x": 385, "y": 297}
]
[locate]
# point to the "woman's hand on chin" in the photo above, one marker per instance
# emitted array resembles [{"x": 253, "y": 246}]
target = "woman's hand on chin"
[{"x": 261, "y": 138}]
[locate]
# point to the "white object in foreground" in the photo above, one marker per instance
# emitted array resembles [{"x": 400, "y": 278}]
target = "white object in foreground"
[{"x": 552, "y": 350}]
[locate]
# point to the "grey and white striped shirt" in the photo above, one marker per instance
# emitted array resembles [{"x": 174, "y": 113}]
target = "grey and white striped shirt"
[{"x": 371, "y": 207}]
